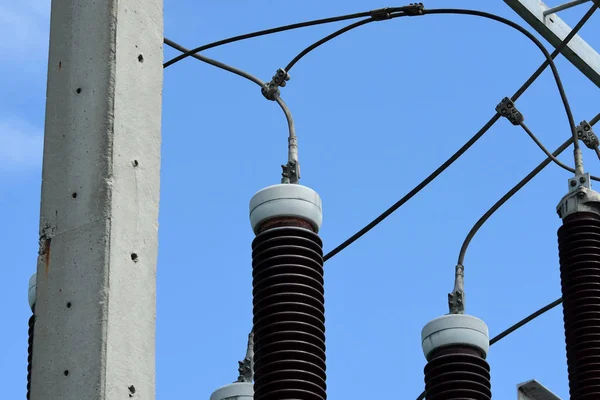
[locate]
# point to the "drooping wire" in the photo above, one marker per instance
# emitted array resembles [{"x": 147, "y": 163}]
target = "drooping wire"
[
  {"x": 594, "y": 120},
  {"x": 550, "y": 155},
  {"x": 549, "y": 57},
  {"x": 516, "y": 326},
  {"x": 549, "y": 62},
  {"x": 508, "y": 195},
  {"x": 216, "y": 63},
  {"x": 389, "y": 14},
  {"x": 279, "y": 29},
  {"x": 505, "y": 198},
  {"x": 414, "y": 191}
]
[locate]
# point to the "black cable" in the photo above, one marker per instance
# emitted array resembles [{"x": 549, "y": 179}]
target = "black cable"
[
  {"x": 516, "y": 326},
  {"x": 217, "y": 64},
  {"x": 524, "y": 321},
  {"x": 594, "y": 120},
  {"x": 545, "y": 150},
  {"x": 279, "y": 29},
  {"x": 416, "y": 190},
  {"x": 549, "y": 57},
  {"x": 508, "y": 195},
  {"x": 328, "y": 38},
  {"x": 505, "y": 198}
]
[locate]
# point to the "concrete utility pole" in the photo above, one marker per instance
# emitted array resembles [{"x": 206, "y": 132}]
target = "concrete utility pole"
[{"x": 96, "y": 275}]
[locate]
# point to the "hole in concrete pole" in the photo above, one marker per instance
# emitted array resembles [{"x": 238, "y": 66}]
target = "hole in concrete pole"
[
  {"x": 135, "y": 163},
  {"x": 74, "y": 195},
  {"x": 69, "y": 304},
  {"x": 141, "y": 58},
  {"x": 66, "y": 373},
  {"x": 134, "y": 257}
]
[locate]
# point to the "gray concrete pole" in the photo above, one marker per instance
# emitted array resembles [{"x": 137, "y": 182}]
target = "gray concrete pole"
[{"x": 96, "y": 273}]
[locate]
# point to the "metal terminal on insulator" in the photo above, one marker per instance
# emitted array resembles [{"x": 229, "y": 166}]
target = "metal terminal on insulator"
[
  {"x": 456, "y": 346},
  {"x": 288, "y": 294},
  {"x": 507, "y": 109},
  {"x": 579, "y": 253},
  {"x": 31, "y": 297}
]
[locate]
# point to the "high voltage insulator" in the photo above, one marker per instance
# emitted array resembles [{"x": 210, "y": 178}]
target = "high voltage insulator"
[
  {"x": 288, "y": 294},
  {"x": 579, "y": 251},
  {"x": 31, "y": 296},
  {"x": 455, "y": 347}
]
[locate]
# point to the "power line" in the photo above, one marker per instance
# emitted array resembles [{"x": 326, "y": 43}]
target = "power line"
[
  {"x": 550, "y": 155},
  {"x": 505, "y": 198},
  {"x": 516, "y": 326},
  {"x": 414, "y": 191},
  {"x": 216, "y": 63},
  {"x": 281, "y": 29}
]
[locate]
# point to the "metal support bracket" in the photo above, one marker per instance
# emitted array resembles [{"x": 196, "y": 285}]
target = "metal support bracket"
[{"x": 507, "y": 109}]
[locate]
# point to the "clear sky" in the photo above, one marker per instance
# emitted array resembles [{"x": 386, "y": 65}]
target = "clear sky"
[{"x": 376, "y": 111}]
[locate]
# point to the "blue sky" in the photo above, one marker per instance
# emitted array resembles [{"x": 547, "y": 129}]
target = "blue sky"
[{"x": 376, "y": 111}]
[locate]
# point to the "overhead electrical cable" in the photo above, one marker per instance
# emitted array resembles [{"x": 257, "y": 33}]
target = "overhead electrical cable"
[{"x": 280, "y": 29}]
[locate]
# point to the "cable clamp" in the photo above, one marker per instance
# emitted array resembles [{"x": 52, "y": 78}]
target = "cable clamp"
[
  {"x": 456, "y": 302},
  {"x": 587, "y": 135},
  {"x": 291, "y": 172},
  {"x": 507, "y": 109},
  {"x": 414, "y": 9},
  {"x": 271, "y": 89}
]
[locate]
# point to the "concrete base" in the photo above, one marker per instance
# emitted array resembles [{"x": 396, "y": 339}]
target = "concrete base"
[
  {"x": 286, "y": 200},
  {"x": 455, "y": 329},
  {"x": 234, "y": 391}
]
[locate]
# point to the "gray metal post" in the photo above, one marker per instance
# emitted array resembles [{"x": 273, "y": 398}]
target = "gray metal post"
[{"x": 96, "y": 273}]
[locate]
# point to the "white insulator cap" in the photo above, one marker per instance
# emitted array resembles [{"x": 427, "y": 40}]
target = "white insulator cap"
[
  {"x": 286, "y": 200},
  {"x": 32, "y": 287},
  {"x": 455, "y": 329},
  {"x": 234, "y": 391}
]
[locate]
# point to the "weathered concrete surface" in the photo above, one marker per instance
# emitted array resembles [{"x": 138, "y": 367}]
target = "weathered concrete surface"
[{"x": 96, "y": 276}]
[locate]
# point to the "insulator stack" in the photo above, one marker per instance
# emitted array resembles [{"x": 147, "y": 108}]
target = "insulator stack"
[
  {"x": 288, "y": 294},
  {"x": 579, "y": 251},
  {"x": 31, "y": 297},
  {"x": 456, "y": 346}
]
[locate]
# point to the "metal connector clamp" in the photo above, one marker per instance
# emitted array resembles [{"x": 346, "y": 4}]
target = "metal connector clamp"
[
  {"x": 271, "y": 89},
  {"x": 507, "y": 109},
  {"x": 587, "y": 135},
  {"x": 414, "y": 9},
  {"x": 291, "y": 172},
  {"x": 581, "y": 197}
]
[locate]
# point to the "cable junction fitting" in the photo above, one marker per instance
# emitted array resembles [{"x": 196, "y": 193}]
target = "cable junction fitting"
[
  {"x": 507, "y": 109},
  {"x": 271, "y": 89},
  {"x": 587, "y": 135}
]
